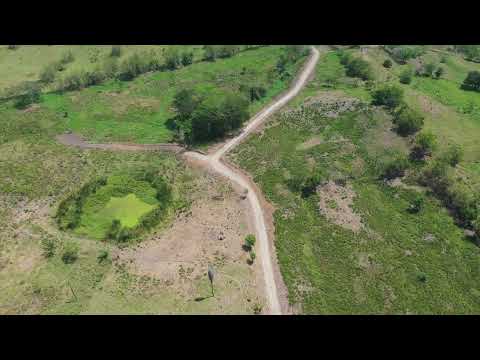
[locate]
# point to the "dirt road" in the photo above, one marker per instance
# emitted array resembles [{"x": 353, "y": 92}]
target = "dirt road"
[{"x": 215, "y": 162}]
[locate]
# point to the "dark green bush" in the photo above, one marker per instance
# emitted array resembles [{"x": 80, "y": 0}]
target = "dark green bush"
[
  {"x": 453, "y": 155},
  {"x": 425, "y": 144},
  {"x": 406, "y": 76},
  {"x": 395, "y": 168},
  {"x": 407, "y": 121},
  {"x": 70, "y": 255},
  {"x": 387, "y": 63},
  {"x": 359, "y": 68},
  {"x": 187, "y": 58},
  {"x": 26, "y": 94},
  {"x": 389, "y": 96},
  {"x": 116, "y": 51},
  {"x": 472, "y": 81}
]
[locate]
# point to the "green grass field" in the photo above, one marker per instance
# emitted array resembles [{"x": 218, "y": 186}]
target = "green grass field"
[{"x": 398, "y": 263}]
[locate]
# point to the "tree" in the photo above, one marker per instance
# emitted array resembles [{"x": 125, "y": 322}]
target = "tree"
[
  {"x": 187, "y": 58},
  {"x": 406, "y": 76},
  {"x": 387, "y": 63},
  {"x": 407, "y": 121},
  {"x": 389, "y": 96},
  {"x": 453, "y": 155},
  {"x": 472, "y": 81},
  {"x": 359, "y": 68},
  {"x": 425, "y": 144},
  {"x": 47, "y": 75},
  {"x": 116, "y": 51},
  {"x": 250, "y": 242},
  {"x": 234, "y": 111},
  {"x": 185, "y": 102}
]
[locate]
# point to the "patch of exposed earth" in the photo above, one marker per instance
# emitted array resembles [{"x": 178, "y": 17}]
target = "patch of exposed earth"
[
  {"x": 211, "y": 232},
  {"x": 336, "y": 205}
]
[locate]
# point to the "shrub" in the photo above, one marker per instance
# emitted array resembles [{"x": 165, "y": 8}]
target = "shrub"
[
  {"x": 389, "y": 96},
  {"x": 250, "y": 241},
  {"x": 257, "y": 92},
  {"x": 395, "y": 168},
  {"x": 439, "y": 72},
  {"x": 187, "y": 58},
  {"x": 12, "y": 47},
  {"x": 116, "y": 51},
  {"x": 359, "y": 68},
  {"x": 27, "y": 93},
  {"x": 407, "y": 121},
  {"x": 406, "y": 76},
  {"x": 421, "y": 277},
  {"x": 70, "y": 255},
  {"x": 210, "y": 53},
  {"x": 114, "y": 231},
  {"x": 387, "y": 63},
  {"x": 131, "y": 67},
  {"x": 67, "y": 57},
  {"x": 416, "y": 205},
  {"x": 225, "y": 51},
  {"x": 453, "y": 155},
  {"x": 110, "y": 68},
  {"x": 438, "y": 177},
  {"x": 102, "y": 256},
  {"x": 476, "y": 226},
  {"x": 172, "y": 58},
  {"x": 47, "y": 75},
  {"x": 253, "y": 256},
  {"x": 48, "y": 247},
  {"x": 74, "y": 81},
  {"x": 472, "y": 81},
  {"x": 425, "y": 144},
  {"x": 93, "y": 77},
  {"x": 463, "y": 202},
  {"x": 345, "y": 57}
]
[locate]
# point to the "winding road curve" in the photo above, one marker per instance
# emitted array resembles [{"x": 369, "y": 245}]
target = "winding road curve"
[{"x": 215, "y": 162}]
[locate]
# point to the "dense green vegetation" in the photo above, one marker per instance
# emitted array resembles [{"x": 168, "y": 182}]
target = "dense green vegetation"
[{"x": 409, "y": 255}]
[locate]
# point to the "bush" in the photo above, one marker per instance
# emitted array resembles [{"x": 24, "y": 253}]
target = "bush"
[
  {"x": 172, "y": 58},
  {"x": 472, "y": 81},
  {"x": 453, "y": 155},
  {"x": 70, "y": 255},
  {"x": 226, "y": 51},
  {"x": 74, "y": 81},
  {"x": 257, "y": 92},
  {"x": 27, "y": 93},
  {"x": 210, "y": 53},
  {"x": 437, "y": 176},
  {"x": 395, "y": 168},
  {"x": 407, "y": 121},
  {"x": 253, "y": 256},
  {"x": 67, "y": 57},
  {"x": 345, "y": 57},
  {"x": 102, "y": 256},
  {"x": 12, "y": 47},
  {"x": 439, "y": 72},
  {"x": 406, "y": 76},
  {"x": 416, "y": 205},
  {"x": 476, "y": 226},
  {"x": 425, "y": 144},
  {"x": 116, "y": 51},
  {"x": 187, "y": 58},
  {"x": 250, "y": 242},
  {"x": 48, "y": 247},
  {"x": 110, "y": 68},
  {"x": 47, "y": 75},
  {"x": 387, "y": 64},
  {"x": 389, "y": 96},
  {"x": 131, "y": 67},
  {"x": 359, "y": 68}
]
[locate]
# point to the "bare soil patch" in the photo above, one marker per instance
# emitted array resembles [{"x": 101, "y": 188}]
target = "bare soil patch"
[{"x": 336, "y": 205}]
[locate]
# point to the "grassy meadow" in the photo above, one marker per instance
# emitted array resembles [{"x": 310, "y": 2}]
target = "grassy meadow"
[{"x": 397, "y": 262}]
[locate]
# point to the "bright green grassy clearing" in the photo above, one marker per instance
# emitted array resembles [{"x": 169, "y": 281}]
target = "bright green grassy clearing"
[{"x": 138, "y": 111}]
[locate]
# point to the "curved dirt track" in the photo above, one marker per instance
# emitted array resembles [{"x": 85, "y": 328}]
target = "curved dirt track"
[{"x": 214, "y": 161}]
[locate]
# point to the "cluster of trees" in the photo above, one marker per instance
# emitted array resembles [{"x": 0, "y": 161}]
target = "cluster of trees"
[
  {"x": 470, "y": 52},
  {"x": 356, "y": 67},
  {"x": 472, "y": 81},
  {"x": 430, "y": 70},
  {"x": 292, "y": 54},
  {"x": 202, "y": 118},
  {"x": 402, "y": 53},
  {"x": 212, "y": 52}
]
